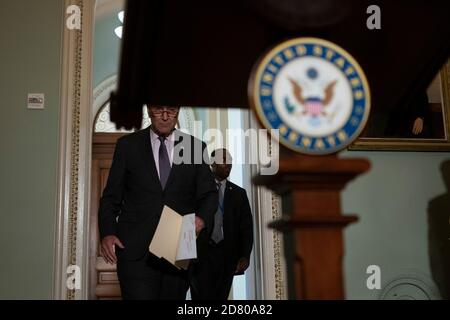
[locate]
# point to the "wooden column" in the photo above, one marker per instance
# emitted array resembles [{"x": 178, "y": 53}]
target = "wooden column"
[{"x": 310, "y": 188}]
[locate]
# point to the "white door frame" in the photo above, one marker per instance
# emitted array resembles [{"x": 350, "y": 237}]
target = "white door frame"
[
  {"x": 269, "y": 269},
  {"x": 74, "y": 156},
  {"x": 74, "y": 175}
]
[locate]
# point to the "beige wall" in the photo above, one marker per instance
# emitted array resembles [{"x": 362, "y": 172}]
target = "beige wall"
[
  {"x": 30, "y": 40},
  {"x": 392, "y": 204}
]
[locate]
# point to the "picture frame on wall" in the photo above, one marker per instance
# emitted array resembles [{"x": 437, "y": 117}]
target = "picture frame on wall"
[{"x": 422, "y": 126}]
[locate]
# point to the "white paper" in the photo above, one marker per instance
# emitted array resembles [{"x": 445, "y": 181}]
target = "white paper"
[{"x": 187, "y": 247}]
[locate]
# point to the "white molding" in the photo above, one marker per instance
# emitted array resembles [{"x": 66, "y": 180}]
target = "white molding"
[
  {"x": 265, "y": 240},
  {"x": 270, "y": 280},
  {"x": 60, "y": 242},
  {"x": 85, "y": 146},
  {"x": 74, "y": 151},
  {"x": 102, "y": 93}
]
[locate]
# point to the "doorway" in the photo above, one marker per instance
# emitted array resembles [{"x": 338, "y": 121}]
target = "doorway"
[
  {"x": 74, "y": 221},
  {"x": 103, "y": 281}
]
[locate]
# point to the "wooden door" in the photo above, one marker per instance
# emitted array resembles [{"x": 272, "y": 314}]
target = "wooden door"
[{"x": 103, "y": 282}]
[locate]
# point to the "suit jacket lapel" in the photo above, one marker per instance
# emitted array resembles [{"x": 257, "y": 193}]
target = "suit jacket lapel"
[
  {"x": 227, "y": 199},
  {"x": 175, "y": 167},
  {"x": 227, "y": 211},
  {"x": 147, "y": 153}
]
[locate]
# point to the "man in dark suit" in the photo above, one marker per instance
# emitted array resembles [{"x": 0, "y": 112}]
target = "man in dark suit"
[
  {"x": 231, "y": 240},
  {"x": 151, "y": 168}
]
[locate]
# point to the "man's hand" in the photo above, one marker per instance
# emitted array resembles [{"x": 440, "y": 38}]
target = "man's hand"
[
  {"x": 417, "y": 126},
  {"x": 108, "y": 248},
  {"x": 242, "y": 265},
  {"x": 199, "y": 225}
]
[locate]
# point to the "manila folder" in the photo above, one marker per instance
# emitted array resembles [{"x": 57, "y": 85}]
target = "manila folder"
[{"x": 172, "y": 239}]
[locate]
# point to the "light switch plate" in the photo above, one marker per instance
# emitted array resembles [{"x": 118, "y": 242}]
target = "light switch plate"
[{"x": 36, "y": 101}]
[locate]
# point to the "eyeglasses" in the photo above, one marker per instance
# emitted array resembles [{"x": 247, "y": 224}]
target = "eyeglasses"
[{"x": 159, "y": 111}]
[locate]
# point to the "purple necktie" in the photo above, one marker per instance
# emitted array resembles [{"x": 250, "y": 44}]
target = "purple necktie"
[{"x": 164, "y": 163}]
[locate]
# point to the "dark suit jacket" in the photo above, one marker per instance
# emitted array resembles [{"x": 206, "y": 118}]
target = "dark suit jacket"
[
  {"x": 133, "y": 192},
  {"x": 402, "y": 119},
  {"x": 237, "y": 225}
]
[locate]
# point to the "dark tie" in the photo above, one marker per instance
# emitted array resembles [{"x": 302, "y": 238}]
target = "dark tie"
[
  {"x": 217, "y": 234},
  {"x": 164, "y": 163}
]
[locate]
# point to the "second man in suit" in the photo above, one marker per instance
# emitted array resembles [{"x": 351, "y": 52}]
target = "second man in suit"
[{"x": 229, "y": 248}]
